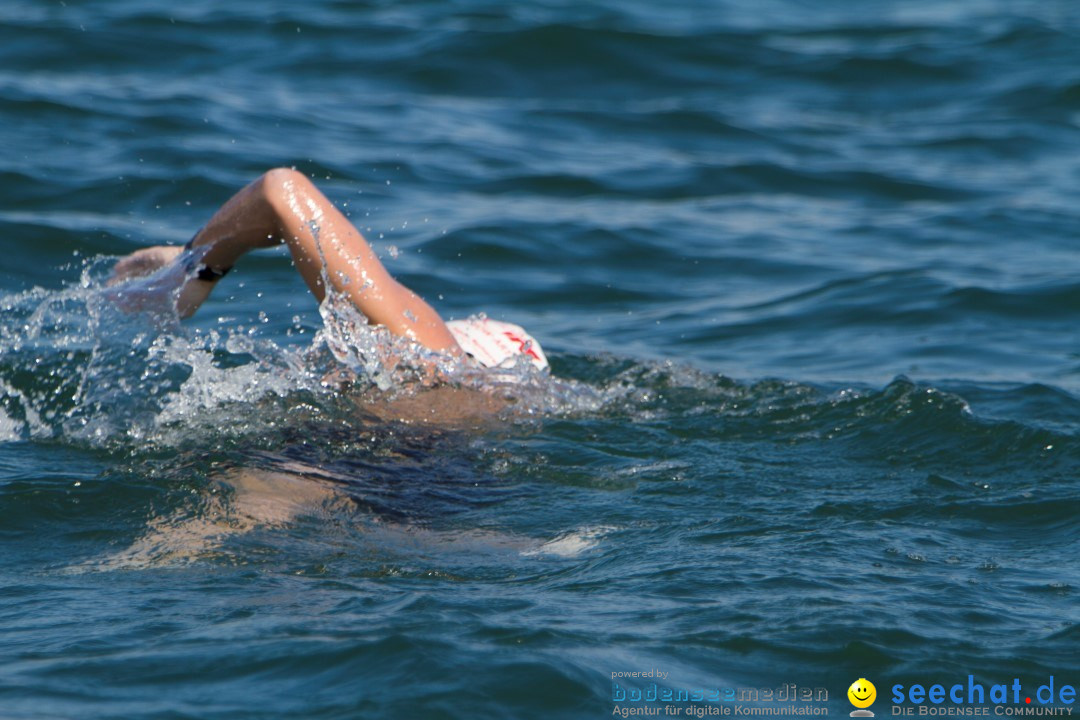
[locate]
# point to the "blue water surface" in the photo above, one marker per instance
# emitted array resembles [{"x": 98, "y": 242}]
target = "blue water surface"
[{"x": 806, "y": 274}]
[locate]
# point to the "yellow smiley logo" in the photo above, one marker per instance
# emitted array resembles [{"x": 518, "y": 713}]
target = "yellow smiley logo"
[{"x": 862, "y": 693}]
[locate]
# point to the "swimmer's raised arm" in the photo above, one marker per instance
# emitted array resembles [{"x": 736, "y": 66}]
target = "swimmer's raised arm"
[{"x": 283, "y": 206}]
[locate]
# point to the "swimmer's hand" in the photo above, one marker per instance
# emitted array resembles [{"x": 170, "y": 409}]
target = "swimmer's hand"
[{"x": 143, "y": 262}]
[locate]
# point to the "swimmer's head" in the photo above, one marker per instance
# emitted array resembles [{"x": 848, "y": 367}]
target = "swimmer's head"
[{"x": 496, "y": 344}]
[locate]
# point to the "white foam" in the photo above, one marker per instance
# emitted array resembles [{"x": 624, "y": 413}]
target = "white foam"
[
  {"x": 9, "y": 428},
  {"x": 572, "y": 544}
]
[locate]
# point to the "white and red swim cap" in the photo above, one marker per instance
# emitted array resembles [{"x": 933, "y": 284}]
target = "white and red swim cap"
[{"x": 496, "y": 344}]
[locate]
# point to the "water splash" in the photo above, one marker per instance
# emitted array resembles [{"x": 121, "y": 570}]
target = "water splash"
[{"x": 78, "y": 366}]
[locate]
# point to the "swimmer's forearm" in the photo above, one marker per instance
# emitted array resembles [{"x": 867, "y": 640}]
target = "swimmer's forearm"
[{"x": 245, "y": 223}]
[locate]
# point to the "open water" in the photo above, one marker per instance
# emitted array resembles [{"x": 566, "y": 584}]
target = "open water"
[{"x": 807, "y": 274}]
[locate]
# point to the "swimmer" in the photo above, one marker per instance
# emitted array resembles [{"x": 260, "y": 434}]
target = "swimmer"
[{"x": 284, "y": 206}]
